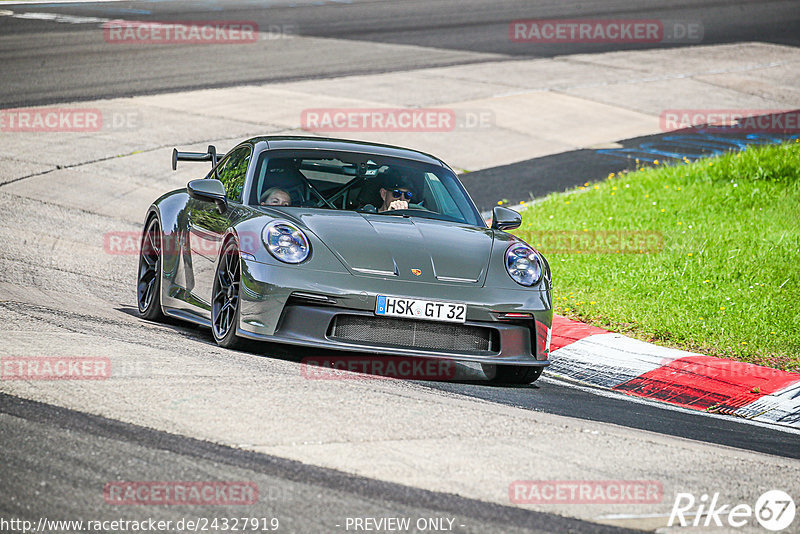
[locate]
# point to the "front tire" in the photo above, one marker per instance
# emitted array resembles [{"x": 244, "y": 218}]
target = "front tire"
[
  {"x": 512, "y": 374},
  {"x": 225, "y": 298},
  {"x": 148, "y": 284}
]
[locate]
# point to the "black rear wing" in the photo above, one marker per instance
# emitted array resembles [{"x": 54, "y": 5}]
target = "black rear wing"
[{"x": 210, "y": 155}]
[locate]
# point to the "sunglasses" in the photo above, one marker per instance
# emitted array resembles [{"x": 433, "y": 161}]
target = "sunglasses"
[{"x": 397, "y": 193}]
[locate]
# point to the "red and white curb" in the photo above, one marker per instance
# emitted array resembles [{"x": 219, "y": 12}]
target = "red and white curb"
[{"x": 595, "y": 356}]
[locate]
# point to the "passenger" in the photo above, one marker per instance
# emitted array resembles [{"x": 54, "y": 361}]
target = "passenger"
[{"x": 275, "y": 196}]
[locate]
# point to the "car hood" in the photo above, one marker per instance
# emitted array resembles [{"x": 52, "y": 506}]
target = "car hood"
[{"x": 409, "y": 248}]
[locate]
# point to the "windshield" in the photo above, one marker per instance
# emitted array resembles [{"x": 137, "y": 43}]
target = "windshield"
[{"x": 363, "y": 183}]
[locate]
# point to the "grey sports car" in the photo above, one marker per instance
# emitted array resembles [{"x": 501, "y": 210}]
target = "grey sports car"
[{"x": 346, "y": 245}]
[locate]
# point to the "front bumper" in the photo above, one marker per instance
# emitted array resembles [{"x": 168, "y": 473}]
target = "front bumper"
[{"x": 278, "y": 305}]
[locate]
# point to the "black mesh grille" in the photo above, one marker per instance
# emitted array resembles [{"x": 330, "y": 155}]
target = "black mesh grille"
[{"x": 410, "y": 333}]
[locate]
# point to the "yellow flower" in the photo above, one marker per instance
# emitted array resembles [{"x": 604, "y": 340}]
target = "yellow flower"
[
  {"x": 613, "y": 188},
  {"x": 663, "y": 210},
  {"x": 592, "y": 302},
  {"x": 597, "y": 187},
  {"x": 680, "y": 222},
  {"x": 499, "y": 202},
  {"x": 690, "y": 254},
  {"x": 710, "y": 163},
  {"x": 679, "y": 189},
  {"x": 647, "y": 196},
  {"x": 655, "y": 161},
  {"x": 586, "y": 183},
  {"x": 722, "y": 308},
  {"x": 611, "y": 175},
  {"x": 702, "y": 318},
  {"x": 666, "y": 187},
  {"x": 613, "y": 194}
]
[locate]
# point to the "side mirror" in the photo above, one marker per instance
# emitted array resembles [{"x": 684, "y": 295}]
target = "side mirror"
[
  {"x": 209, "y": 190},
  {"x": 505, "y": 219}
]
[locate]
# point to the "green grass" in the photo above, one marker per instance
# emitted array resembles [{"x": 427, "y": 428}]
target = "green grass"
[{"x": 726, "y": 279}]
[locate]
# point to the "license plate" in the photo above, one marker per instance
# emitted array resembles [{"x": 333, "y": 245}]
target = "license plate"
[{"x": 421, "y": 309}]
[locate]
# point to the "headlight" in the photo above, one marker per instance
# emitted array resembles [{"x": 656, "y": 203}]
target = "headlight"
[
  {"x": 523, "y": 264},
  {"x": 286, "y": 242}
]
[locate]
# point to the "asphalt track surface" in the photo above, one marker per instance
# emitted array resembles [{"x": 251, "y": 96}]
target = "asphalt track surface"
[
  {"x": 59, "y": 449},
  {"x": 46, "y": 62},
  {"x": 535, "y": 178},
  {"x": 61, "y": 62}
]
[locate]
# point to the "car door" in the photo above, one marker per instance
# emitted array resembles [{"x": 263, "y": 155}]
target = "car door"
[{"x": 207, "y": 226}]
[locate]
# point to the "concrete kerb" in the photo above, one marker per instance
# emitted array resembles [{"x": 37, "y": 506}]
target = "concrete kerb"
[{"x": 594, "y": 356}]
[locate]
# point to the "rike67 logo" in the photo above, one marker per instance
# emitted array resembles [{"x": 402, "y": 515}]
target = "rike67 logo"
[{"x": 774, "y": 510}]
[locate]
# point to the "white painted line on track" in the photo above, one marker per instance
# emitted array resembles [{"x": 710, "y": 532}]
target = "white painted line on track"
[
  {"x": 76, "y": 19},
  {"x": 34, "y": 2},
  {"x": 638, "y": 516},
  {"x": 55, "y": 17},
  {"x": 664, "y": 406}
]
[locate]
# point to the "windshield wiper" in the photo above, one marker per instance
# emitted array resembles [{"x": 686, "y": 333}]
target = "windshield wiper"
[{"x": 422, "y": 213}]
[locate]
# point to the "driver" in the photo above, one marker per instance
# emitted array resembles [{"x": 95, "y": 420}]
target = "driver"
[{"x": 396, "y": 191}]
